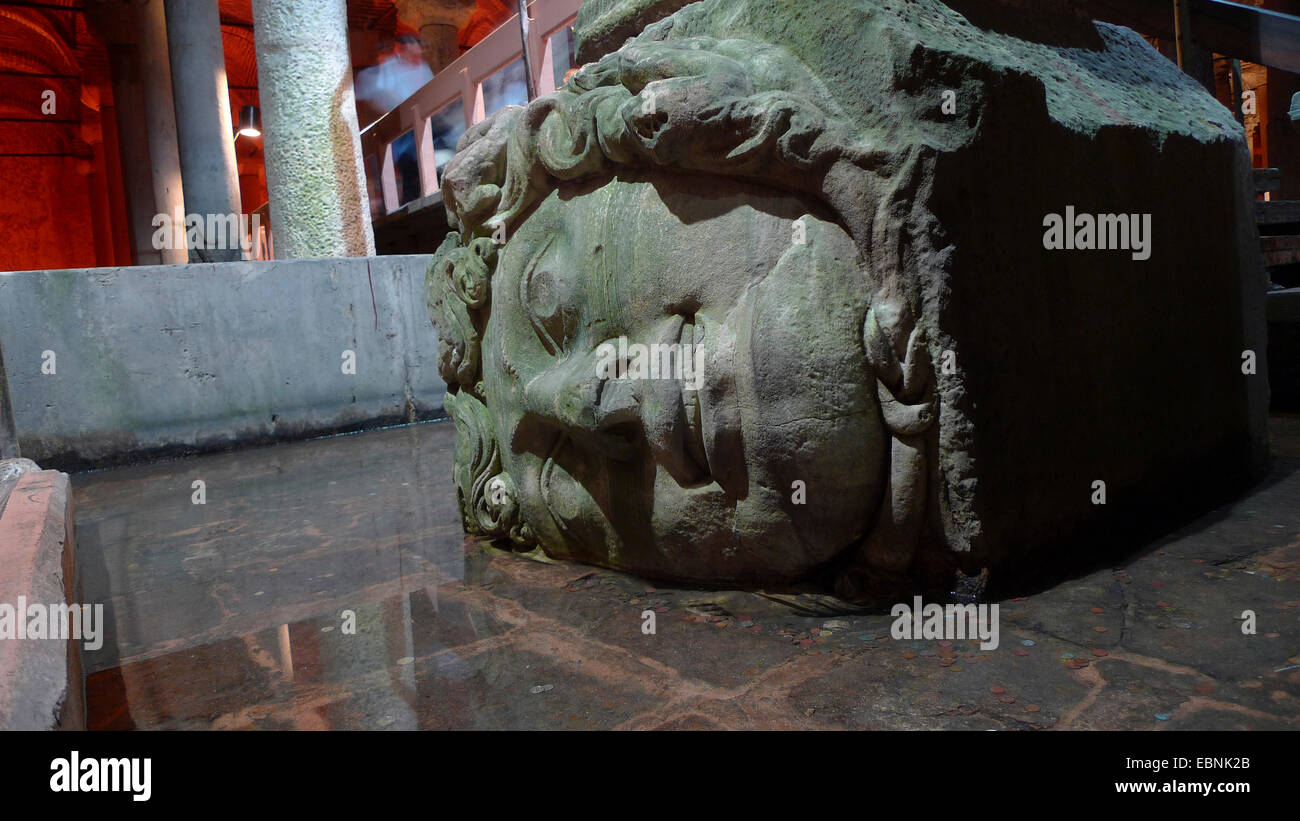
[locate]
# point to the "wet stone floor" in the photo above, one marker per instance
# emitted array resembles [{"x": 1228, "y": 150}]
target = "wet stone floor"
[{"x": 327, "y": 585}]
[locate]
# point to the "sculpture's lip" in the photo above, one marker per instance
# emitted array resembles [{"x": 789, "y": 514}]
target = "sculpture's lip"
[
  {"x": 692, "y": 419},
  {"x": 670, "y": 411},
  {"x": 717, "y": 424}
]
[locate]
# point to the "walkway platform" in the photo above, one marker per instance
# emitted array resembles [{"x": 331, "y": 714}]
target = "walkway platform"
[{"x": 233, "y": 614}]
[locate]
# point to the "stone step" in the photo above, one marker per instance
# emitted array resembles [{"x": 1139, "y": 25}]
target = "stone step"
[{"x": 41, "y": 685}]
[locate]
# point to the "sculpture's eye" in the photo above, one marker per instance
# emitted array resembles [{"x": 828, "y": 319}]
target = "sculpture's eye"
[{"x": 542, "y": 295}]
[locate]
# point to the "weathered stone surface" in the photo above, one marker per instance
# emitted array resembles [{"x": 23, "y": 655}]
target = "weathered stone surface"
[
  {"x": 604, "y": 25},
  {"x": 847, "y": 206},
  {"x": 41, "y": 684},
  {"x": 11, "y": 470}
]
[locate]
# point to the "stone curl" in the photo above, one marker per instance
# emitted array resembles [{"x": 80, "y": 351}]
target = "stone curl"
[{"x": 730, "y": 107}]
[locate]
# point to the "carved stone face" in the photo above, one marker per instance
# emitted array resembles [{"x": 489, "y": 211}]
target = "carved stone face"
[{"x": 773, "y": 466}]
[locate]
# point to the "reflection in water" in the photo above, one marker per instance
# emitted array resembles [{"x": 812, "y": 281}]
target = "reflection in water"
[
  {"x": 242, "y": 598},
  {"x": 328, "y": 585},
  {"x": 400, "y": 669}
]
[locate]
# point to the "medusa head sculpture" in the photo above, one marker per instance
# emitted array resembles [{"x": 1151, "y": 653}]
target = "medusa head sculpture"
[{"x": 699, "y": 201}]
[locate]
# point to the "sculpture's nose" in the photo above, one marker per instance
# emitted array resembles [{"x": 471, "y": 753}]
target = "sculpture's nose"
[{"x": 596, "y": 412}]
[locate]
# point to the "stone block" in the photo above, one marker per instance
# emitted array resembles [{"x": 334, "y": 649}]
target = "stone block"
[
  {"x": 955, "y": 312},
  {"x": 41, "y": 683}
]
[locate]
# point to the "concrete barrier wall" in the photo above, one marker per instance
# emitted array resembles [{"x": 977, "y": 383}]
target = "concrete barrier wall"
[{"x": 160, "y": 360}]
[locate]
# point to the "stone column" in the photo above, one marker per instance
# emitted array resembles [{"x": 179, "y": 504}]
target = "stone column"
[
  {"x": 160, "y": 117},
  {"x": 119, "y": 211},
  {"x": 314, "y": 173},
  {"x": 101, "y": 215},
  {"x": 204, "y": 132},
  {"x": 439, "y": 23},
  {"x": 133, "y": 149}
]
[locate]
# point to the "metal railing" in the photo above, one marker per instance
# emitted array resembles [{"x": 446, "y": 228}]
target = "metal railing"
[{"x": 469, "y": 80}]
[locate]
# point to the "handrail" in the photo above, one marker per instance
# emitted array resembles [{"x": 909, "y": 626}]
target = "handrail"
[
  {"x": 1262, "y": 36},
  {"x": 463, "y": 79}
]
